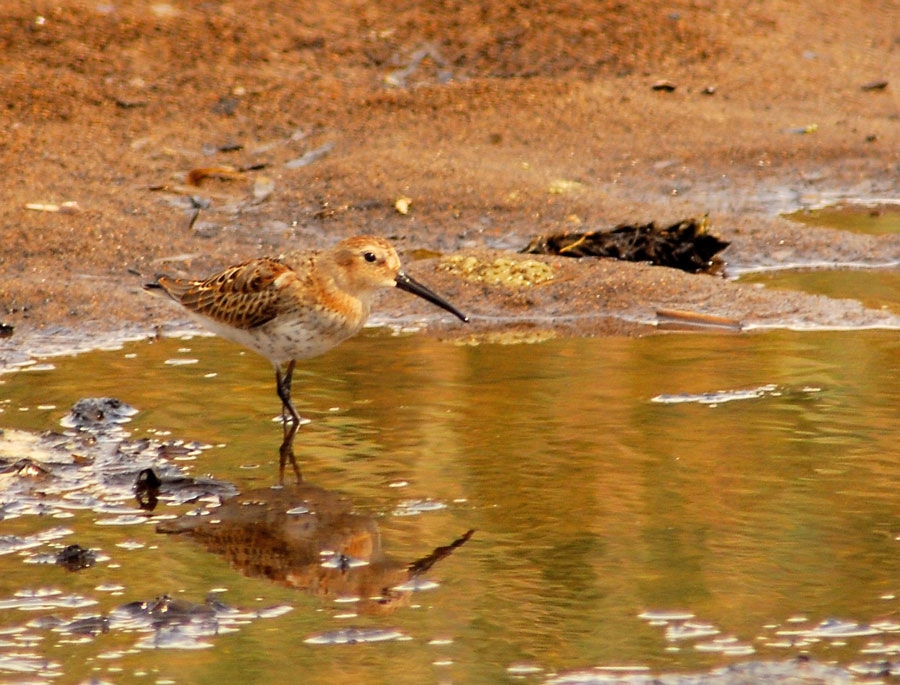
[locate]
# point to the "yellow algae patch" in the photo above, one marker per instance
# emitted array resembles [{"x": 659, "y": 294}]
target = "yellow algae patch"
[
  {"x": 520, "y": 273},
  {"x": 513, "y": 337},
  {"x": 563, "y": 186}
]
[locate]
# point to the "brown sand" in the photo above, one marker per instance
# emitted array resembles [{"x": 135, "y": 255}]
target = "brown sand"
[{"x": 494, "y": 121}]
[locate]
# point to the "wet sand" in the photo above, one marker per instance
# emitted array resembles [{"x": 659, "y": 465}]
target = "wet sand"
[{"x": 490, "y": 125}]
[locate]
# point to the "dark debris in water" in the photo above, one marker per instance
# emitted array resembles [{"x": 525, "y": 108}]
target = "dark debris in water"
[
  {"x": 98, "y": 413},
  {"x": 76, "y": 557},
  {"x": 146, "y": 489},
  {"x": 687, "y": 245}
]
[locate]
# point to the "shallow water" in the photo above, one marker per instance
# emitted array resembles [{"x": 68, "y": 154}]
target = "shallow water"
[
  {"x": 617, "y": 487},
  {"x": 874, "y": 287},
  {"x": 858, "y": 218}
]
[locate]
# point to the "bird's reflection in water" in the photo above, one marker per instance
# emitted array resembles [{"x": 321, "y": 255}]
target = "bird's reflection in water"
[{"x": 307, "y": 537}]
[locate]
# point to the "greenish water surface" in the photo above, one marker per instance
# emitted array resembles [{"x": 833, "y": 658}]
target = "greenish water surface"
[{"x": 852, "y": 217}]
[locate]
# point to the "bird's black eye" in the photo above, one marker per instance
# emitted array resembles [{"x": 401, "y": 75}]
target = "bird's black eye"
[{"x": 369, "y": 256}]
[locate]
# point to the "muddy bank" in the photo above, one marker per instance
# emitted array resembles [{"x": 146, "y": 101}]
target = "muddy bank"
[{"x": 182, "y": 138}]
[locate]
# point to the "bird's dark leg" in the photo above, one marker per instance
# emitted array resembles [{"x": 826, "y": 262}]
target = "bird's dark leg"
[
  {"x": 284, "y": 390},
  {"x": 289, "y": 424}
]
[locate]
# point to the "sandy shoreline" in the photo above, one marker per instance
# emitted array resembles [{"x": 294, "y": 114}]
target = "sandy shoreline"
[{"x": 311, "y": 128}]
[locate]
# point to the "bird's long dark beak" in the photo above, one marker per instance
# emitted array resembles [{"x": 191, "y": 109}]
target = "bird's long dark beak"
[{"x": 406, "y": 283}]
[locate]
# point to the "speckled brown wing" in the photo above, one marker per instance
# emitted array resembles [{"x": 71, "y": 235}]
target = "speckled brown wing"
[
  {"x": 243, "y": 296},
  {"x": 301, "y": 262}
]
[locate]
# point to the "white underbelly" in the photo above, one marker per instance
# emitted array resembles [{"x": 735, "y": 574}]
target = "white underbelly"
[{"x": 280, "y": 341}]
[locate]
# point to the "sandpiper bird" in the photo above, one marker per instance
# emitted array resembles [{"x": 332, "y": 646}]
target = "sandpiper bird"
[{"x": 296, "y": 306}]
